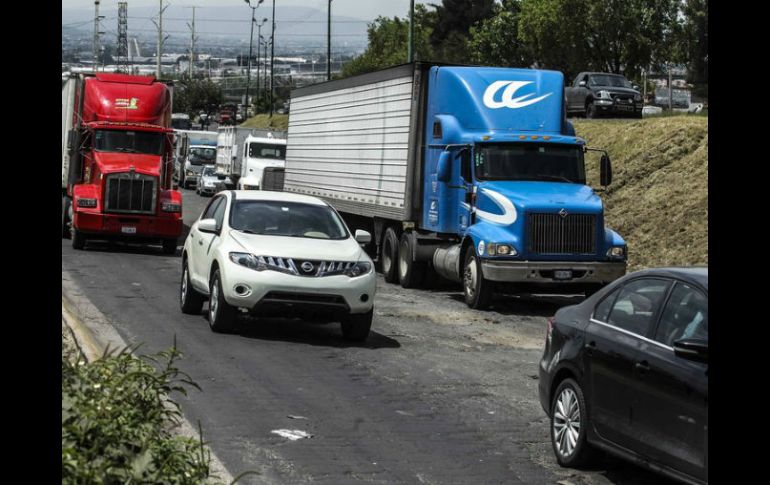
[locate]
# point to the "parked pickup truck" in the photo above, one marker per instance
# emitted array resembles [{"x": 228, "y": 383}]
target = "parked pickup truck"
[{"x": 598, "y": 93}]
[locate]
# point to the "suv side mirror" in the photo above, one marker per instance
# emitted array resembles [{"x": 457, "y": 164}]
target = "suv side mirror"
[
  {"x": 692, "y": 349},
  {"x": 605, "y": 171},
  {"x": 208, "y": 225},
  {"x": 582, "y": 84},
  {"x": 444, "y": 167},
  {"x": 363, "y": 237}
]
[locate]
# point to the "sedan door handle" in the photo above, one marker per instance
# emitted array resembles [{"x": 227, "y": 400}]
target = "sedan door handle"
[{"x": 642, "y": 366}]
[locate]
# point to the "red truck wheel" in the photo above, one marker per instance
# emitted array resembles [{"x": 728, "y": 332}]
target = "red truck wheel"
[{"x": 78, "y": 240}]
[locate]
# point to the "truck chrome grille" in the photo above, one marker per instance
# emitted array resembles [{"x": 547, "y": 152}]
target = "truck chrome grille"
[
  {"x": 557, "y": 234},
  {"x": 130, "y": 193}
]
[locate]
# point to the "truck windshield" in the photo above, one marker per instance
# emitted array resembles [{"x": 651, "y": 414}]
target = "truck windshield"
[
  {"x": 202, "y": 156},
  {"x": 530, "y": 161},
  {"x": 612, "y": 81},
  {"x": 262, "y": 150},
  {"x": 147, "y": 142},
  {"x": 292, "y": 219}
]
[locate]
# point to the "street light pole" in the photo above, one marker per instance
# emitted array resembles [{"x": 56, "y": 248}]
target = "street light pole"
[
  {"x": 329, "y": 42},
  {"x": 259, "y": 37},
  {"x": 251, "y": 43},
  {"x": 272, "y": 62}
]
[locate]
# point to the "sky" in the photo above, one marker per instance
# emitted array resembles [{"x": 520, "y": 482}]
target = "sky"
[{"x": 363, "y": 9}]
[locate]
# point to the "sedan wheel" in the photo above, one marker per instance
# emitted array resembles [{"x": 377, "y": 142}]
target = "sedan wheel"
[{"x": 569, "y": 421}]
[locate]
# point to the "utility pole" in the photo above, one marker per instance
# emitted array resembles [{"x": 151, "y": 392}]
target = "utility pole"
[
  {"x": 411, "y": 31},
  {"x": 97, "y": 46},
  {"x": 259, "y": 36},
  {"x": 329, "y": 42},
  {"x": 670, "y": 90},
  {"x": 272, "y": 62},
  {"x": 251, "y": 43},
  {"x": 192, "y": 45},
  {"x": 161, "y": 39},
  {"x": 122, "y": 51}
]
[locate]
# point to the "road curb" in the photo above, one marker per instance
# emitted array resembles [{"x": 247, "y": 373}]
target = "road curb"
[{"x": 94, "y": 335}]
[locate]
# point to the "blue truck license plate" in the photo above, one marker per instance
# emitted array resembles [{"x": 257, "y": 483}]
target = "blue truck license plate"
[{"x": 562, "y": 275}]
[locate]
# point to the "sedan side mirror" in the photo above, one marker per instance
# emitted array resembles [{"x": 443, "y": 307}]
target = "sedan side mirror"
[
  {"x": 208, "y": 225},
  {"x": 363, "y": 237},
  {"x": 444, "y": 168},
  {"x": 692, "y": 349},
  {"x": 605, "y": 171}
]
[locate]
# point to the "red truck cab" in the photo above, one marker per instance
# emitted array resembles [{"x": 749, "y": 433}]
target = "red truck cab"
[{"x": 120, "y": 162}]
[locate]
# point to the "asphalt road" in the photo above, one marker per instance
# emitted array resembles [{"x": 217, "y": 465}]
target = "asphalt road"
[{"x": 439, "y": 394}]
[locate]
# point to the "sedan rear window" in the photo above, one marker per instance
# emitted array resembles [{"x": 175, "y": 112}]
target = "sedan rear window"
[
  {"x": 637, "y": 305},
  {"x": 292, "y": 219}
]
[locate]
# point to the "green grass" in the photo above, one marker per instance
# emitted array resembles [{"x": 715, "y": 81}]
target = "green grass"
[
  {"x": 658, "y": 200},
  {"x": 277, "y": 122}
]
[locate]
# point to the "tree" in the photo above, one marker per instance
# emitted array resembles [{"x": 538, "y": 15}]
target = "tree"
[
  {"x": 388, "y": 43},
  {"x": 603, "y": 35},
  {"x": 194, "y": 95},
  {"x": 696, "y": 43},
  {"x": 453, "y": 21},
  {"x": 495, "y": 41}
]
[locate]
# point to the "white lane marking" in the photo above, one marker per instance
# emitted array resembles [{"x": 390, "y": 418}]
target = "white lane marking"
[{"x": 292, "y": 434}]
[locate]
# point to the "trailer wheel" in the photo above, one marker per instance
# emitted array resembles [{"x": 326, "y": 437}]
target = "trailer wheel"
[
  {"x": 477, "y": 290},
  {"x": 78, "y": 240},
  {"x": 65, "y": 208},
  {"x": 411, "y": 273},
  {"x": 389, "y": 255}
]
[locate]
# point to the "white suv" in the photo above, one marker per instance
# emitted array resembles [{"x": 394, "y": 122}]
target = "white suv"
[{"x": 277, "y": 254}]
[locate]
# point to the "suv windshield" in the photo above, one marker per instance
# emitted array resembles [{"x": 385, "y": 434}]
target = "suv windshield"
[
  {"x": 530, "y": 161},
  {"x": 202, "y": 156},
  {"x": 292, "y": 219},
  {"x": 147, "y": 142},
  {"x": 262, "y": 150},
  {"x": 608, "y": 80}
]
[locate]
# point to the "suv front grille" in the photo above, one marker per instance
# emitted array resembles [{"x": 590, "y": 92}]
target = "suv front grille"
[
  {"x": 130, "y": 193},
  {"x": 554, "y": 234}
]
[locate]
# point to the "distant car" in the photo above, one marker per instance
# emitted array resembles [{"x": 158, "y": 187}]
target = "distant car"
[
  {"x": 597, "y": 93},
  {"x": 207, "y": 181},
  {"x": 626, "y": 371},
  {"x": 277, "y": 254}
]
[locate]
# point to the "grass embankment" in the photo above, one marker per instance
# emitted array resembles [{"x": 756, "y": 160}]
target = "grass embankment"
[
  {"x": 277, "y": 122},
  {"x": 117, "y": 421},
  {"x": 658, "y": 200}
]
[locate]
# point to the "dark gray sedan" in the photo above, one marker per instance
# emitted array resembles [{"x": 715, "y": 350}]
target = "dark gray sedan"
[{"x": 626, "y": 371}]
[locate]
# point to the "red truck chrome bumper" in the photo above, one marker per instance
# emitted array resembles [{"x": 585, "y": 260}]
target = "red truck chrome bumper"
[{"x": 128, "y": 226}]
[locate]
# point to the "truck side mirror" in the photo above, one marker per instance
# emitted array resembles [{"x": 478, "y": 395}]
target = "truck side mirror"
[
  {"x": 444, "y": 168},
  {"x": 636, "y": 87},
  {"x": 605, "y": 171},
  {"x": 582, "y": 84}
]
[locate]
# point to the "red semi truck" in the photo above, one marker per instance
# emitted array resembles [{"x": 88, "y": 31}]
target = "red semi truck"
[{"x": 117, "y": 161}]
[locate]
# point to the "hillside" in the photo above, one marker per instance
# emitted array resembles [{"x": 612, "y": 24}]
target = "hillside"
[
  {"x": 658, "y": 200},
  {"x": 278, "y": 122}
]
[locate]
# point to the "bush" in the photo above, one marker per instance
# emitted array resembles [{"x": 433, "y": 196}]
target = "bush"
[{"x": 117, "y": 420}]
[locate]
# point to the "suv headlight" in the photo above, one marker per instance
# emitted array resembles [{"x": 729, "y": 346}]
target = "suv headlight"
[
  {"x": 249, "y": 260},
  {"x": 616, "y": 252},
  {"x": 494, "y": 249},
  {"x": 359, "y": 269}
]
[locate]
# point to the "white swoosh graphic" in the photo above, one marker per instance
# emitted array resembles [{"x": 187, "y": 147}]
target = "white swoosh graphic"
[
  {"x": 508, "y": 216},
  {"x": 507, "y": 100}
]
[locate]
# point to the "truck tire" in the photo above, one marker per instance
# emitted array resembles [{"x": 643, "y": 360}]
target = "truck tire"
[
  {"x": 477, "y": 291},
  {"x": 65, "y": 219},
  {"x": 78, "y": 240},
  {"x": 190, "y": 301},
  {"x": 356, "y": 326},
  {"x": 411, "y": 273},
  {"x": 389, "y": 254},
  {"x": 221, "y": 313},
  {"x": 169, "y": 246},
  {"x": 590, "y": 110}
]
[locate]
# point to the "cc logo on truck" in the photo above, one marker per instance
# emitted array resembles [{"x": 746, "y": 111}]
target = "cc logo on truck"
[{"x": 507, "y": 100}]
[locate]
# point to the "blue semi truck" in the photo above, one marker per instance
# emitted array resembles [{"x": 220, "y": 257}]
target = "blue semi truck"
[{"x": 473, "y": 173}]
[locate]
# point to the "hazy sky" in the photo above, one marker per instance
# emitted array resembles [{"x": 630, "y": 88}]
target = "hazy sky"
[{"x": 364, "y": 9}]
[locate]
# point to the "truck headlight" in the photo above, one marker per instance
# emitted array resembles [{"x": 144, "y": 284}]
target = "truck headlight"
[
  {"x": 86, "y": 202},
  {"x": 359, "y": 269},
  {"x": 168, "y": 206},
  {"x": 616, "y": 252},
  {"x": 604, "y": 94},
  {"x": 638, "y": 98},
  {"x": 494, "y": 249}
]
